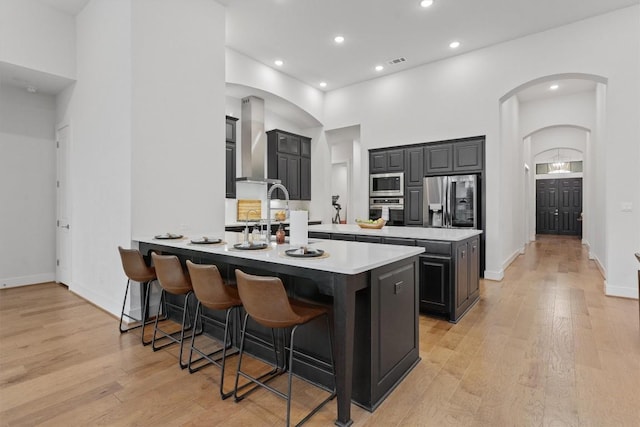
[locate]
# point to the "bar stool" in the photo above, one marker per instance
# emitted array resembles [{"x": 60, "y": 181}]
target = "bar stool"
[
  {"x": 212, "y": 293},
  {"x": 265, "y": 301},
  {"x": 138, "y": 271},
  {"x": 173, "y": 280}
]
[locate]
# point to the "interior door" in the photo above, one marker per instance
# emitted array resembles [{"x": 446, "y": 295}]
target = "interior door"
[
  {"x": 547, "y": 206},
  {"x": 63, "y": 227}
]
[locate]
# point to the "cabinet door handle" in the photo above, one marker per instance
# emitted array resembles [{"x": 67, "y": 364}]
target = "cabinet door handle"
[
  {"x": 398, "y": 287},
  {"x": 462, "y": 254}
]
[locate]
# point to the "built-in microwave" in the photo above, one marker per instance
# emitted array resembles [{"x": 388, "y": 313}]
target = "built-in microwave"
[{"x": 386, "y": 184}]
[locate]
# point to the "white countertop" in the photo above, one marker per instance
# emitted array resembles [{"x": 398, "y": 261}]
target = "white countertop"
[
  {"x": 422, "y": 233},
  {"x": 344, "y": 257}
]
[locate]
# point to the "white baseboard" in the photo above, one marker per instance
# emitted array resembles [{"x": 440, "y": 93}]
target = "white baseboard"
[
  {"x": 108, "y": 304},
  {"x": 598, "y": 264},
  {"x": 620, "y": 291},
  {"x": 12, "y": 282},
  {"x": 512, "y": 258},
  {"x": 494, "y": 275}
]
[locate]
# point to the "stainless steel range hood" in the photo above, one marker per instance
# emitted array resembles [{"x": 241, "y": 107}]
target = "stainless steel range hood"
[{"x": 253, "y": 142}]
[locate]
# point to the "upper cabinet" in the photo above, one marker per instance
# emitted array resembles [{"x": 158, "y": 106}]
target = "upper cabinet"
[
  {"x": 438, "y": 158},
  {"x": 230, "y": 158},
  {"x": 458, "y": 156},
  {"x": 289, "y": 160},
  {"x": 414, "y": 163},
  {"x": 468, "y": 156},
  {"x": 382, "y": 161}
]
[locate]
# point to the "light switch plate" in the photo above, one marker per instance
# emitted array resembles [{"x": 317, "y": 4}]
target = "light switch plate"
[{"x": 627, "y": 207}]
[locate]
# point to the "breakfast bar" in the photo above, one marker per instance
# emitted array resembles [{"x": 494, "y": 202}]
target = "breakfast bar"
[{"x": 373, "y": 293}]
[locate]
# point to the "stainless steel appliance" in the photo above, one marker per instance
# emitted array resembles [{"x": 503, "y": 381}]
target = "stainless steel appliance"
[
  {"x": 386, "y": 185},
  {"x": 450, "y": 201},
  {"x": 395, "y": 205}
]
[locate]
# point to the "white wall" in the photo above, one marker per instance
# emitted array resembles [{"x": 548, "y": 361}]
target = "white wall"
[
  {"x": 37, "y": 36},
  {"x": 99, "y": 114},
  {"x": 245, "y": 71},
  {"x": 576, "y": 109},
  {"x": 512, "y": 224},
  {"x": 460, "y": 97},
  {"x": 178, "y": 107},
  {"x": 27, "y": 187}
]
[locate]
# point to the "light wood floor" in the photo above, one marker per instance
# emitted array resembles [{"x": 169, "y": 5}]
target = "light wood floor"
[{"x": 542, "y": 347}]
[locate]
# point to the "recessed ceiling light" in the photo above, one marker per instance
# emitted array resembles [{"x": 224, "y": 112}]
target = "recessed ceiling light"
[
  {"x": 338, "y": 39},
  {"x": 278, "y": 62},
  {"x": 426, "y": 3},
  {"x": 32, "y": 89},
  {"x": 454, "y": 44},
  {"x": 323, "y": 84},
  {"x": 379, "y": 68},
  {"x": 554, "y": 87}
]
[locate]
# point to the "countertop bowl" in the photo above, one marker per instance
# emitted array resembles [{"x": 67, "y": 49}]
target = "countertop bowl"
[{"x": 372, "y": 225}]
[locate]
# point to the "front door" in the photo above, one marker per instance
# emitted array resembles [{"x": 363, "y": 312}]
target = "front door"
[{"x": 558, "y": 206}]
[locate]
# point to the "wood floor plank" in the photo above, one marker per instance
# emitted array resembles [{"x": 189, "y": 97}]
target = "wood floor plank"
[{"x": 542, "y": 347}]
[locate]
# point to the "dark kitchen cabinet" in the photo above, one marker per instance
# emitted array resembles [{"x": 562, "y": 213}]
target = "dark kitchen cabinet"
[
  {"x": 467, "y": 280},
  {"x": 398, "y": 241},
  {"x": 438, "y": 158},
  {"x": 468, "y": 156},
  {"x": 368, "y": 239},
  {"x": 434, "y": 283},
  {"x": 305, "y": 178},
  {"x": 231, "y": 129},
  {"x": 383, "y": 161},
  {"x": 458, "y": 156},
  {"x": 289, "y": 160},
  {"x": 414, "y": 166},
  {"x": 449, "y": 285},
  {"x": 230, "y": 158},
  {"x": 289, "y": 174},
  {"x": 230, "y": 168},
  {"x": 448, "y": 271},
  {"x": 413, "y": 206}
]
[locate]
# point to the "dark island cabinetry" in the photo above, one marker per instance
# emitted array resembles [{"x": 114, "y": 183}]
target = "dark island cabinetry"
[
  {"x": 448, "y": 271},
  {"x": 289, "y": 160},
  {"x": 449, "y": 276},
  {"x": 230, "y": 158}
]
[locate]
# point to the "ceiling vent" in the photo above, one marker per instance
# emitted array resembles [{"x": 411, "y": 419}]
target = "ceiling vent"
[{"x": 397, "y": 61}]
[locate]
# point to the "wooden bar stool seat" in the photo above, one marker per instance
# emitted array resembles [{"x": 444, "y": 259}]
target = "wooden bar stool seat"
[
  {"x": 212, "y": 293},
  {"x": 265, "y": 301},
  {"x": 173, "y": 280},
  {"x": 136, "y": 270}
]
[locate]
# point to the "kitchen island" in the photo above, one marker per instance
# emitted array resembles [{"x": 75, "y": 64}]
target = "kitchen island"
[
  {"x": 449, "y": 279},
  {"x": 373, "y": 294}
]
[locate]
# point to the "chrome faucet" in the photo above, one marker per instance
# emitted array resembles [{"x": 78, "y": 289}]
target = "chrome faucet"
[
  {"x": 269, "y": 193},
  {"x": 246, "y": 225}
]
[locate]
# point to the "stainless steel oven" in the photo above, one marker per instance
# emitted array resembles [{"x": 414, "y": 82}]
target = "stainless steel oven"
[
  {"x": 386, "y": 185},
  {"x": 395, "y": 205}
]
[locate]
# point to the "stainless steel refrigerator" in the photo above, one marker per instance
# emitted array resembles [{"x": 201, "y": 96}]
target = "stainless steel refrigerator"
[{"x": 450, "y": 201}]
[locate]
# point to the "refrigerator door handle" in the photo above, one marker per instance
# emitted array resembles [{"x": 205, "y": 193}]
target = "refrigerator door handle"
[{"x": 446, "y": 208}]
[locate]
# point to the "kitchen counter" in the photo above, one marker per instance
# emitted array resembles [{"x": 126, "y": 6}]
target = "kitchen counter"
[
  {"x": 420, "y": 233},
  {"x": 373, "y": 292},
  {"x": 344, "y": 257}
]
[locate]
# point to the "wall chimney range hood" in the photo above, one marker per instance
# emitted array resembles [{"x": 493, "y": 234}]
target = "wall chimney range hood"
[{"x": 253, "y": 142}]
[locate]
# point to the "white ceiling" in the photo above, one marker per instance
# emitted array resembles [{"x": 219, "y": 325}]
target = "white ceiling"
[
  {"x": 376, "y": 31},
  {"x": 301, "y": 32}
]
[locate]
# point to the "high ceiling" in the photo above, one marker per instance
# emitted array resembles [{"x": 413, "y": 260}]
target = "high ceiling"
[{"x": 301, "y": 33}]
